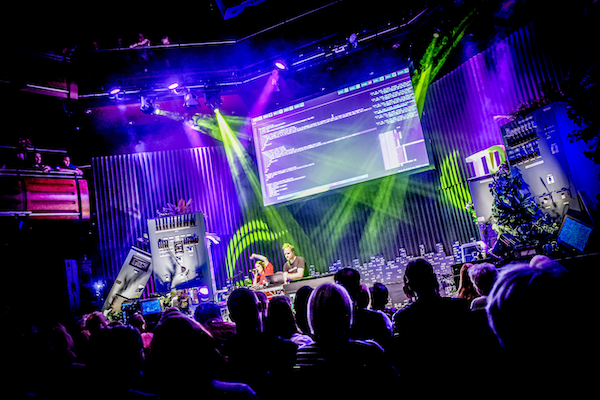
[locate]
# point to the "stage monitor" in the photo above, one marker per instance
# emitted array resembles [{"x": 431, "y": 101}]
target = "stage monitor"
[
  {"x": 358, "y": 133},
  {"x": 574, "y": 234}
]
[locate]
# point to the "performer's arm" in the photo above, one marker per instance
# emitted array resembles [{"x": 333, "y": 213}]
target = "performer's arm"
[
  {"x": 255, "y": 256},
  {"x": 296, "y": 275}
]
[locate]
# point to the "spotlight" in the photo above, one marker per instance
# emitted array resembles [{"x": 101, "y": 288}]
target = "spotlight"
[
  {"x": 190, "y": 100},
  {"x": 147, "y": 105},
  {"x": 173, "y": 86},
  {"x": 116, "y": 93},
  {"x": 204, "y": 290},
  {"x": 212, "y": 99},
  {"x": 280, "y": 65},
  {"x": 204, "y": 293}
]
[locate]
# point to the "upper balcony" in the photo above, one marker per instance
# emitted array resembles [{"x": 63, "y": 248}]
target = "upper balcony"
[{"x": 57, "y": 194}]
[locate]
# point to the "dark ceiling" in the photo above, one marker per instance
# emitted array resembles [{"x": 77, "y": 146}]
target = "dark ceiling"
[
  {"x": 206, "y": 46},
  {"x": 88, "y": 45}
]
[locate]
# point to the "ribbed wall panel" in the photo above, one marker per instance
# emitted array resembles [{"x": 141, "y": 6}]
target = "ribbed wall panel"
[
  {"x": 464, "y": 110},
  {"x": 131, "y": 189},
  {"x": 462, "y": 115}
]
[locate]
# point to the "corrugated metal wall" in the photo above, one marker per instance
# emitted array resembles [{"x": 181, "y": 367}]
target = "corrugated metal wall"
[
  {"x": 462, "y": 115},
  {"x": 132, "y": 188},
  {"x": 464, "y": 110}
]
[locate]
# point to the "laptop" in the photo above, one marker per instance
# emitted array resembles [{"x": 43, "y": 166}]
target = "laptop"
[
  {"x": 275, "y": 279},
  {"x": 574, "y": 234}
]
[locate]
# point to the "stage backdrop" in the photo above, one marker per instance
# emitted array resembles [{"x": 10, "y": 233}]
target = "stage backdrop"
[
  {"x": 462, "y": 114},
  {"x": 132, "y": 188}
]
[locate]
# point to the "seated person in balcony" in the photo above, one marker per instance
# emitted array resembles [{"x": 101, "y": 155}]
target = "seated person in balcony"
[
  {"x": 65, "y": 164},
  {"x": 39, "y": 165}
]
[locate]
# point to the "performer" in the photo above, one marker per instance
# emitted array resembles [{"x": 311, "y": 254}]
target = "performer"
[
  {"x": 294, "y": 267},
  {"x": 262, "y": 268}
]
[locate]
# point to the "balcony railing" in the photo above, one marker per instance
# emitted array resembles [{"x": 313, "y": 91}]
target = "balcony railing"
[{"x": 51, "y": 195}]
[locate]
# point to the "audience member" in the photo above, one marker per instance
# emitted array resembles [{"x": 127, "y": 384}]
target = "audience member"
[
  {"x": 370, "y": 324},
  {"x": 350, "y": 279},
  {"x": 118, "y": 348},
  {"x": 350, "y": 368},
  {"x": 545, "y": 337},
  {"x": 425, "y": 330},
  {"x": 301, "y": 308},
  {"x": 184, "y": 362},
  {"x": 38, "y": 164},
  {"x": 138, "y": 321},
  {"x": 65, "y": 164},
  {"x": 379, "y": 299},
  {"x": 367, "y": 324},
  {"x": 483, "y": 344},
  {"x": 483, "y": 277},
  {"x": 465, "y": 286},
  {"x": 281, "y": 323},
  {"x": 263, "y": 303},
  {"x": 541, "y": 261},
  {"x": 142, "y": 41},
  {"x": 209, "y": 316},
  {"x": 91, "y": 324},
  {"x": 245, "y": 311},
  {"x": 53, "y": 371}
]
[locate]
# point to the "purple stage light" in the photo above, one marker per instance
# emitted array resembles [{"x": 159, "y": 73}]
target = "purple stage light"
[
  {"x": 173, "y": 86},
  {"x": 114, "y": 91},
  {"x": 280, "y": 65}
]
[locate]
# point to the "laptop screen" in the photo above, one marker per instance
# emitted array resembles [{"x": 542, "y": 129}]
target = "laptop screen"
[
  {"x": 151, "y": 306},
  {"x": 275, "y": 279},
  {"x": 574, "y": 233}
]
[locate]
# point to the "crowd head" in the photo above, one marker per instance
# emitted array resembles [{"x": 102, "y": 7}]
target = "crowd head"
[
  {"x": 330, "y": 312},
  {"x": 420, "y": 279}
]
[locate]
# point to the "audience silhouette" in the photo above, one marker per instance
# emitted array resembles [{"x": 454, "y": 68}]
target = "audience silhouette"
[
  {"x": 138, "y": 321},
  {"x": 246, "y": 350},
  {"x": 465, "y": 290},
  {"x": 210, "y": 317},
  {"x": 281, "y": 322},
  {"x": 367, "y": 324},
  {"x": 483, "y": 277},
  {"x": 545, "y": 338},
  {"x": 184, "y": 362},
  {"x": 350, "y": 367},
  {"x": 370, "y": 324},
  {"x": 425, "y": 331},
  {"x": 380, "y": 296},
  {"x": 301, "y": 308},
  {"x": 521, "y": 338}
]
